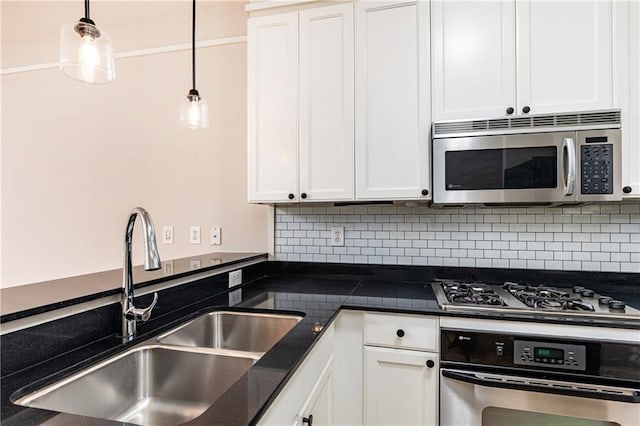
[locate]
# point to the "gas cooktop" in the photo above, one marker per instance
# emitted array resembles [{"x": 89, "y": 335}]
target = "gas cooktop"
[{"x": 541, "y": 299}]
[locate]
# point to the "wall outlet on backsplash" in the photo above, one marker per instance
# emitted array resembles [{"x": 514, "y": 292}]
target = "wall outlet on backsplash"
[
  {"x": 235, "y": 278},
  {"x": 337, "y": 236}
]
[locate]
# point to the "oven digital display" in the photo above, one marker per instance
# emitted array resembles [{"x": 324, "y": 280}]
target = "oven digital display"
[{"x": 548, "y": 353}]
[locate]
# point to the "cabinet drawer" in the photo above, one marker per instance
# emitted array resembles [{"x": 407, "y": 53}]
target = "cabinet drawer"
[{"x": 401, "y": 331}]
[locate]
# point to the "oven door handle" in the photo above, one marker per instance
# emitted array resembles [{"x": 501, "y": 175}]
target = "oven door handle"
[
  {"x": 610, "y": 393},
  {"x": 568, "y": 165}
]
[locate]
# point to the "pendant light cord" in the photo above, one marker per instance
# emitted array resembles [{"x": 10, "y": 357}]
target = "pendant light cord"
[
  {"x": 193, "y": 45},
  {"x": 86, "y": 9}
]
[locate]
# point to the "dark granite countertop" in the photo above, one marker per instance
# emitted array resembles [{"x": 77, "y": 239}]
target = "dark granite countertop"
[
  {"x": 26, "y": 300},
  {"x": 319, "y": 292}
]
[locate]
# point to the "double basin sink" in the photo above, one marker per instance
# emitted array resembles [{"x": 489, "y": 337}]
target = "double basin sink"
[{"x": 172, "y": 378}]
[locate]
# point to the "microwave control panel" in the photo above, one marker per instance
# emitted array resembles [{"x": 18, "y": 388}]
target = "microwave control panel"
[{"x": 596, "y": 166}]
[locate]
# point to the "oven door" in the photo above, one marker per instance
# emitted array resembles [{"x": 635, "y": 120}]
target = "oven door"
[
  {"x": 475, "y": 398},
  {"x": 521, "y": 168}
]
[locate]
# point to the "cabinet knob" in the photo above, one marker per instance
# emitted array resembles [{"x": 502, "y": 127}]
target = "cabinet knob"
[
  {"x": 303, "y": 195},
  {"x": 308, "y": 420},
  {"x": 510, "y": 110},
  {"x": 291, "y": 196},
  {"x": 400, "y": 333},
  {"x": 526, "y": 109},
  {"x": 431, "y": 364},
  {"x": 425, "y": 192},
  {"x": 626, "y": 190}
]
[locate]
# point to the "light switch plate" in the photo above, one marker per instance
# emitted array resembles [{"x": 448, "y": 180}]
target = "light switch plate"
[{"x": 167, "y": 234}]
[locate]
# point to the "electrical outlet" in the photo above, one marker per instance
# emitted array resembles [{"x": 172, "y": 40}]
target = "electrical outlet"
[
  {"x": 194, "y": 234},
  {"x": 235, "y": 278},
  {"x": 337, "y": 236},
  {"x": 167, "y": 234},
  {"x": 216, "y": 236},
  {"x": 235, "y": 297}
]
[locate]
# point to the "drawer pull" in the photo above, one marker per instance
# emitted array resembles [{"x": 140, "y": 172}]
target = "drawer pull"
[
  {"x": 308, "y": 420},
  {"x": 400, "y": 333}
]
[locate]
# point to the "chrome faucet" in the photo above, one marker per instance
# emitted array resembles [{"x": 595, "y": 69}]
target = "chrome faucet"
[{"x": 130, "y": 314}]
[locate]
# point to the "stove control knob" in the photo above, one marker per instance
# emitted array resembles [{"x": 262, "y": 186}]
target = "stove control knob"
[
  {"x": 617, "y": 305},
  {"x": 587, "y": 293},
  {"x": 604, "y": 300},
  {"x": 400, "y": 333},
  {"x": 578, "y": 289}
]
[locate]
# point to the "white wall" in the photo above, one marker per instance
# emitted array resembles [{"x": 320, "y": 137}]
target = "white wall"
[{"x": 75, "y": 158}]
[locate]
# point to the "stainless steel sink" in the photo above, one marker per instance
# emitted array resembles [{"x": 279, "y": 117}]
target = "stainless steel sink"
[
  {"x": 170, "y": 379},
  {"x": 234, "y": 331},
  {"x": 150, "y": 385}
]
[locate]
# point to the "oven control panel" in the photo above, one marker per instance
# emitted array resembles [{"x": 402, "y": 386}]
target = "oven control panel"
[{"x": 552, "y": 355}]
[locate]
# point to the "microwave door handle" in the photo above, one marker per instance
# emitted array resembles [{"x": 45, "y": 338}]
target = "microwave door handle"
[
  {"x": 569, "y": 165},
  {"x": 527, "y": 384}
]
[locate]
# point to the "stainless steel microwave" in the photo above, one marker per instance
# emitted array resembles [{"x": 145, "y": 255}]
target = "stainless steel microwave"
[{"x": 527, "y": 165}]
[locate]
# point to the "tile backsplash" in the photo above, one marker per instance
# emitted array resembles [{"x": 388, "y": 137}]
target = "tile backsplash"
[{"x": 598, "y": 237}]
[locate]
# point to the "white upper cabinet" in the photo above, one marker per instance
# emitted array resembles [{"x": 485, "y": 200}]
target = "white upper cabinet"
[
  {"x": 517, "y": 57},
  {"x": 474, "y": 57},
  {"x": 300, "y": 97},
  {"x": 631, "y": 121},
  {"x": 565, "y": 55},
  {"x": 326, "y": 103},
  {"x": 272, "y": 87},
  {"x": 392, "y": 100}
]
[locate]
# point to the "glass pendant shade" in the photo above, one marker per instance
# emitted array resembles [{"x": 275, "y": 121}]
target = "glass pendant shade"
[
  {"x": 194, "y": 113},
  {"x": 86, "y": 53}
]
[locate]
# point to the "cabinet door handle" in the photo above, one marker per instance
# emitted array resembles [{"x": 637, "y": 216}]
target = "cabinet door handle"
[
  {"x": 526, "y": 109},
  {"x": 308, "y": 420},
  {"x": 291, "y": 196},
  {"x": 400, "y": 333},
  {"x": 510, "y": 110},
  {"x": 627, "y": 190},
  {"x": 425, "y": 192},
  {"x": 430, "y": 364},
  {"x": 303, "y": 195}
]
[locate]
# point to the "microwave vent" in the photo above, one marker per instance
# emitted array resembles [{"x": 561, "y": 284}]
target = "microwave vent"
[{"x": 530, "y": 123}]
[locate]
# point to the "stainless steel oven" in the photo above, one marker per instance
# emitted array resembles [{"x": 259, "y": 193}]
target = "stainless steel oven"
[
  {"x": 485, "y": 164},
  {"x": 505, "y": 378}
]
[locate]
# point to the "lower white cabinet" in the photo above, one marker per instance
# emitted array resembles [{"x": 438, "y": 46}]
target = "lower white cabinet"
[
  {"x": 366, "y": 369},
  {"x": 318, "y": 408},
  {"x": 309, "y": 391},
  {"x": 401, "y": 387}
]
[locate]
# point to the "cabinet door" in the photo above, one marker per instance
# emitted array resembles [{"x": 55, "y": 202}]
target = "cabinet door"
[
  {"x": 272, "y": 87},
  {"x": 473, "y": 58},
  {"x": 392, "y": 100},
  {"x": 326, "y": 103},
  {"x": 320, "y": 401},
  {"x": 565, "y": 55},
  {"x": 631, "y": 128},
  {"x": 400, "y": 389}
]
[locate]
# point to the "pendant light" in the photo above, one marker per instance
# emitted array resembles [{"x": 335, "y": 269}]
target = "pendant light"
[
  {"x": 194, "y": 112},
  {"x": 86, "y": 53}
]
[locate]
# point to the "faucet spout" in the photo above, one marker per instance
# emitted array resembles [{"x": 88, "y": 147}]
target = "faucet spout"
[{"x": 130, "y": 314}]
